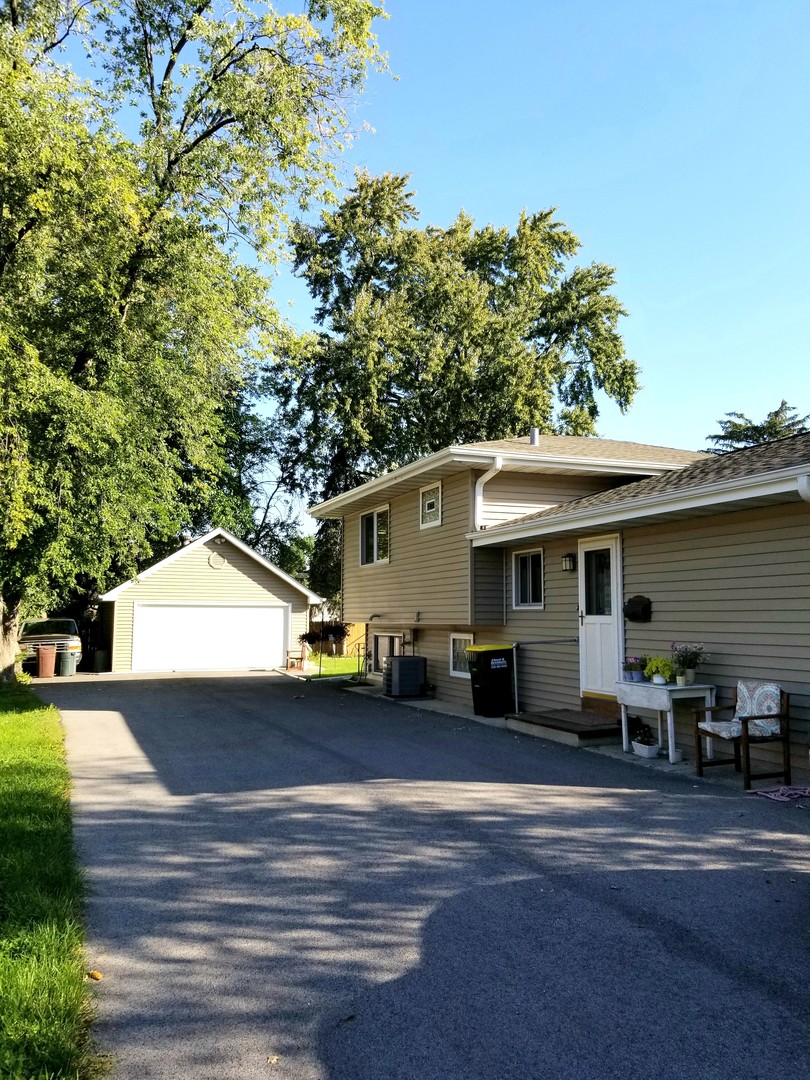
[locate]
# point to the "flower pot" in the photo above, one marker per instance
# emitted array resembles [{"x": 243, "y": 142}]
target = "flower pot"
[
  {"x": 636, "y": 676},
  {"x": 645, "y": 751},
  {"x": 659, "y": 680},
  {"x": 680, "y": 680},
  {"x": 690, "y": 676}
]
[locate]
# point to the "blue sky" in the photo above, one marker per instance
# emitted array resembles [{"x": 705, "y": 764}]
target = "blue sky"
[{"x": 674, "y": 141}]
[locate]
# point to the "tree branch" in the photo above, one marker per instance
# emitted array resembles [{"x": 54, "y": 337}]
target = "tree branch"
[
  {"x": 77, "y": 11},
  {"x": 7, "y": 252},
  {"x": 150, "y": 62},
  {"x": 182, "y": 41},
  {"x": 208, "y": 133}
]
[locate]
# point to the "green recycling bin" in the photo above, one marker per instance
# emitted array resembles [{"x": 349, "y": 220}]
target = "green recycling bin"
[{"x": 492, "y": 677}]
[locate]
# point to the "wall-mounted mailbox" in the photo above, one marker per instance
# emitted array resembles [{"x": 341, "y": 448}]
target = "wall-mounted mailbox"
[{"x": 638, "y": 609}]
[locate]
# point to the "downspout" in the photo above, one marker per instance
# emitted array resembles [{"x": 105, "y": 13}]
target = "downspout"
[
  {"x": 497, "y": 465},
  {"x": 803, "y": 485}
]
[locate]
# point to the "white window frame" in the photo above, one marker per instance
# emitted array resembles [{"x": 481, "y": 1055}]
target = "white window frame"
[
  {"x": 470, "y": 639},
  {"x": 375, "y": 515},
  {"x": 517, "y": 605},
  {"x": 430, "y": 524}
]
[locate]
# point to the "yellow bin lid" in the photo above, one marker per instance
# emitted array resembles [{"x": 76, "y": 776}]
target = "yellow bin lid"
[{"x": 489, "y": 648}]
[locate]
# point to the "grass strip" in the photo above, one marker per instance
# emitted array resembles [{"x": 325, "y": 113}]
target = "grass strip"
[
  {"x": 327, "y": 667},
  {"x": 45, "y": 1011}
]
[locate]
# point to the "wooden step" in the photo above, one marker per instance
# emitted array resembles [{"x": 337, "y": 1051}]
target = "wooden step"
[{"x": 567, "y": 726}]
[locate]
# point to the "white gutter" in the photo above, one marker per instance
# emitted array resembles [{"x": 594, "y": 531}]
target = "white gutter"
[
  {"x": 781, "y": 483},
  {"x": 478, "y": 515}
]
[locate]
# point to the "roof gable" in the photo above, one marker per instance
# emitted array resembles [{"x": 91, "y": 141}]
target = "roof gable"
[{"x": 223, "y": 534}]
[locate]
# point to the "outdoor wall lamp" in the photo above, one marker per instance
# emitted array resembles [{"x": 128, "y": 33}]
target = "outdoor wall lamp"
[{"x": 569, "y": 562}]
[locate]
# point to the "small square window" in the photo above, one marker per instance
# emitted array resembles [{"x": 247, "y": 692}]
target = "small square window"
[
  {"x": 374, "y": 537},
  {"x": 430, "y": 506},
  {"x": 459, "y": 666},
  {"x": 527, "y": 572}
]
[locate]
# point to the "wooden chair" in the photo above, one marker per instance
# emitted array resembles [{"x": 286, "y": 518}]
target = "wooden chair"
[
  {"x": 759, "y": 715},
  {"x": 295, "y": 658}
]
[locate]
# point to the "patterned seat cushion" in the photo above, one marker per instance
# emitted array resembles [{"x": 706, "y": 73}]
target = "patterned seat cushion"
[
  {"x": 759, "y": 699},
  {"x": 753, "y": 699},
  {"x": 723, "y": 729}
]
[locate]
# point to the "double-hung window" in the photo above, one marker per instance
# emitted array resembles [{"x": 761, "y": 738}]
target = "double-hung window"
[
  {"x": 374, "y": 536},
  {"x": 527, "y": 575},
  {"x": 430, "y": 506}
]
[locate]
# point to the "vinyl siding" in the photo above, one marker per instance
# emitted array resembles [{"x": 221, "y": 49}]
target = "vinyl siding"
[
  {"x": 488, "y": 586},
  {"x": 435, "y": 645},
  {"x": 428, "y": 570},
  {"x": 739, "y": 583},
  {"x": 548, "y": 675},
  {"x": 511, "y": 495},
  {"x": 190, "y": 578}
]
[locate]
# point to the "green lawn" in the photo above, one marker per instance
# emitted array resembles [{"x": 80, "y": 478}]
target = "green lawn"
[
  {"x": 328, "y": 666},
  {"x": 44, "y": 1008}
]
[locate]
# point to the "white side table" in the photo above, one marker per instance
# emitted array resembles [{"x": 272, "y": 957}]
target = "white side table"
[{"x": 661, "y": 699}]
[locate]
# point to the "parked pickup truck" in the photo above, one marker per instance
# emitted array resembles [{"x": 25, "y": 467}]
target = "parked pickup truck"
[{"x": 63, "y": 633}]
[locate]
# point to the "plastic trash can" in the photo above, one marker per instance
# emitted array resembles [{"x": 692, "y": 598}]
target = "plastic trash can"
[
  {"x": 492, "y": 677},
  {"x": 67, "y": 663},
  {"x": 46, "y": 661}
]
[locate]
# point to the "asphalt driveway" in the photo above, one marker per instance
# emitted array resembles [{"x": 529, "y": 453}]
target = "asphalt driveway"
[{"x": 292, "y": 881}]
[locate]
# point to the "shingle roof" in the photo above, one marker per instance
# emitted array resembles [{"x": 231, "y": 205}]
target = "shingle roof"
[
  {"x": 753, "y": 461},
  {"x": 590, "y": 447}
]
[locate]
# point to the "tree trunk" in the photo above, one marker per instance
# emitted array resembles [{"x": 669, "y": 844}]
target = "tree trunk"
[{"x": 9, "y": 629}]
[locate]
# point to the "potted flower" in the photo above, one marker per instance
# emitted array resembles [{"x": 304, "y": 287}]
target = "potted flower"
[
  {"x": 686, "y": 657},
  {"x": 659, "y": 669},
  {"x": 644, "y": 743},
  {"x": 632, "y": 669}
]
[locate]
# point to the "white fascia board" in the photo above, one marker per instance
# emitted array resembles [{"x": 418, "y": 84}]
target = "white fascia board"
[
  {"x": 312, "y": 597},
  {"x": 781, "y": 483},
  {"x": 576, "y": 463},
  {"x": 341, "y": 504}
]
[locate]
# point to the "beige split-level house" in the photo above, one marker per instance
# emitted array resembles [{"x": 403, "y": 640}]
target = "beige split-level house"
[{"x": 544, "y": 539}]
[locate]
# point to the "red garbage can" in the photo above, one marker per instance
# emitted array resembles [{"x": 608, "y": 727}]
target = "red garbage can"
[{"x": 46, "y": 661}]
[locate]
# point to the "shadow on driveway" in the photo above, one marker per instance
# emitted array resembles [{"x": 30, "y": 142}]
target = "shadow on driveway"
[{"x": 350, "y": 890}]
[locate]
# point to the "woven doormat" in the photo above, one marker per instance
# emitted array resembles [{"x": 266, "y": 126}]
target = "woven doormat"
[{"x": 784, "y": 794}]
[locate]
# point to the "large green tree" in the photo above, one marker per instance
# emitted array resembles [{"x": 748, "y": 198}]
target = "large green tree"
[
  {"x": 128, "y": 327},
  {"x": 428, "y": 337},
  {"x": 737, "y": 431},
  {"x": 433, "y": 336}
]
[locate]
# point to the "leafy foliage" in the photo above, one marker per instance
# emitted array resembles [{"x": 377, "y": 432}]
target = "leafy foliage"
[
  {"x": 737, "y": 431},
  {"x": 129, "y": 331},
  {"x": 435, "y": 336}
]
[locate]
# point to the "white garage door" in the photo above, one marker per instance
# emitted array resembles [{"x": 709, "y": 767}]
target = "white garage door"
[{"x": 207, "y": 637}]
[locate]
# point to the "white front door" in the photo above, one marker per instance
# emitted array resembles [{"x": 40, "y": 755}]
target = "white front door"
[{"x": 600, "y": 625}]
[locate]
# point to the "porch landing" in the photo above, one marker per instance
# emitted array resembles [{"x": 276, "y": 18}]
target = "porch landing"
[{"x": 567, "y": 726}]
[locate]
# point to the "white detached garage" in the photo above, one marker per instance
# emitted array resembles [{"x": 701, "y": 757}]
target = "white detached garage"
[{"x": 214, "y": 605}]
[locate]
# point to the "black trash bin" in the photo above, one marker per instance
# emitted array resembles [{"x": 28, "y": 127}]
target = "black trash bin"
[{"x": 492, "y": 677}]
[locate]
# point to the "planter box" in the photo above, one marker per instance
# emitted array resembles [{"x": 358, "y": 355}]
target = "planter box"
[{"x": 645, "y": 751}]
